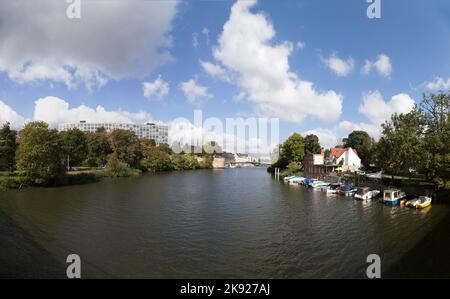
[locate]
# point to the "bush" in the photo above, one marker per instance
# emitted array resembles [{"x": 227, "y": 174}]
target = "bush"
[{"x": 116, "y": 168}]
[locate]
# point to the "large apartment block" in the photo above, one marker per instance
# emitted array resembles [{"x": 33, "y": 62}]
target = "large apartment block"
[{"x": 159, "y": 133}]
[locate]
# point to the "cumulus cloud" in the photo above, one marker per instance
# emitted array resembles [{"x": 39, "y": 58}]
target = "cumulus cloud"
[
  {"x": 438, "y": 83},
  {"x": 377, "y": 110},
  {"x": 327, "y": 137},
  {"x": 215, "y": 70},
  {"x": 262, "y": 70},
  {"x": 56, "y": 111},
  {"x": 7, "y": 114},
  {"x": 195, "y": 40},
  {"x": 157, "y": 89},
  {"x": 382, "y": 65},
  {"x": 194, "y": 92},
  {"x": 112, "y": 40},
  {"x": 339, "y": 66}
]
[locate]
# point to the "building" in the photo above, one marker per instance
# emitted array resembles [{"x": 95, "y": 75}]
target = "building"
[
  {"x": 314, "y": 166},
  {"x": 159, "y": 133},
  {"x": 347, "y": 158}
]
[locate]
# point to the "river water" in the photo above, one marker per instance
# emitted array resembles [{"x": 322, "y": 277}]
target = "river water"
[{"x": 231, "y": 223}]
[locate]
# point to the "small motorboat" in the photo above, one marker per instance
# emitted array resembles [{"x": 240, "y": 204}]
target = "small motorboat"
[
  {"x": 332, "y": 188},
  {"x": 287, "y": 178},
  {"x": 296, "y": 180},
  {"x": 348, "y": 190},
  {"x": 411, "y": 203},
  {"x": 423, "y": 202},
  {"x": 319, "y": 185},
  {"x": 308, "y": 181},
  {"x": 366, "y": 193},
  {"x": 393, "y": 196}
]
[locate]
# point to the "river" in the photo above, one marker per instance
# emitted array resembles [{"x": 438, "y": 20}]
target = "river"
[{"x": 231, "y": 223}]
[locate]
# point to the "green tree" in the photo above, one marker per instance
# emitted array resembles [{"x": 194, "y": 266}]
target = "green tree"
[
  {"x": 126, "y": 147},
  {"x": 312, "y": 145},
  {"x": 98, "y": 148},
  {"x": 8, "y": 146},
  {"x": 399, "y": 148},
  {"x": 436, "y": 142},
  {"x": 157, "y": 160},
  {"x": 75, "y": 146},
  {"x": 363, "y": 144},
  {"x": 39, "y": 156},
  {"x": 293, "y": 149}
]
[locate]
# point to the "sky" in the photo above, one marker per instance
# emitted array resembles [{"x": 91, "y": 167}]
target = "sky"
[{"x": 319, "y": 66}]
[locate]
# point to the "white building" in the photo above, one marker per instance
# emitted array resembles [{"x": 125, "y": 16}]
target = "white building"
[
  {"x": 348, "y": 157},
  {"x": 159, "y": 133}
]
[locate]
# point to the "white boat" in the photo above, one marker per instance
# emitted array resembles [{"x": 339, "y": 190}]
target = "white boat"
[
  {"x": 393, "y": 196},
  {"x": 366, "y": 193},
  {"x": 332, "y": 188},
  {"x": 319, "y": 185},
  {"x": 296, "y": 180},
  {"x": 348, "y": 190},
  {"x": 287, "y": 178}
]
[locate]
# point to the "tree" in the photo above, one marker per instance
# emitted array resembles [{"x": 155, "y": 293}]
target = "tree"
[
  {"x": 436, "y": 143},
  {"x": 98, "y": 148},
  {"x": 156, "y": 160},
  {"x": 312, "y": 145},
  {"x": 363, "y": 144},
  {"x": 40, "y": 157},
  {"x": 75, "y": 146},
  {"x": 8, "y": 146},
  {"x": 126, "y": 147},
  {"x": 293, "y": 149},
  {"x": 399, "y": 148}
]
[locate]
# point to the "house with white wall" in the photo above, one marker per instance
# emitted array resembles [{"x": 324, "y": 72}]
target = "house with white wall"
[{"x": 348, "y": 157}]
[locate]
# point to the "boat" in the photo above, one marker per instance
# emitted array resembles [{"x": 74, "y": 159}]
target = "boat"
[
  {"x": 319, "y": 185},
  {"x": 296, "y": 180},
  {"x": 347, "y": 190},
  {"x": 308, "y": 181},
  {"x": 423, "y": 202},
  {"x": 366, "y": 193},
  {"x": 393, "y": 196},
  {"x": 332, "y": 188},
  {"x": 287, "y": 178},
  {"x": 412, "y": 202}
]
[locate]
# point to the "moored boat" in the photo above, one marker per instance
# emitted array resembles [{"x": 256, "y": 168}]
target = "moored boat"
[
  {"x": 412, "y": 202},
  {"x": 423, "y": 202},
  {"x": 332, "y": 188},
  {"x": 393, "y": 196},
  {"x": 296, "y": 180},
  {"x": 319, "y": 185},
  {"x": 366, "y": 193},
  {"x": 347, "y": 190}
]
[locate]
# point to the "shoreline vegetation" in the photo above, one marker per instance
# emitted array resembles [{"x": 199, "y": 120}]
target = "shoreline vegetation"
[
  {"x": 413, "y": 149},
  {"x": 40, "y": 156}
]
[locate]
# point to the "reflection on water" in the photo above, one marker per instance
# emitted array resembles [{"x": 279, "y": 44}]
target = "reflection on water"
[{"x": 234, "y": 223}]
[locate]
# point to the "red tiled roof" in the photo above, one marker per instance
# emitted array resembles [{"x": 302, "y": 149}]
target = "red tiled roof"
[{"x": 337, "y": 151}]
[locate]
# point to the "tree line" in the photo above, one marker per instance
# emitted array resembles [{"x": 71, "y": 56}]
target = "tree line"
[
  {"x": 411, "y": 144},
  {"x": 44, "y": 156}
]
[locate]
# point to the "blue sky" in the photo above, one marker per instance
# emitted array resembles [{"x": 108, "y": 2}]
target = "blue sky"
[{"x": 406, "y": 53}]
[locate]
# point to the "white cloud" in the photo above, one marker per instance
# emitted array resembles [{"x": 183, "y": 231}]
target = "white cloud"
[
  {"x": 7, "y": 114},
  {"x": 301, "y": 45},
  {"x": 215, "y": 70},
  {"x": 346, "y": 127},
  {"x": 56, "y": 111},
  {"x": 377, "y": 110},
  {"x": 339, "y": 66},
  {"x": 205, "y": 33},
  {"x": 262, "y": 70},
  {"x": 112, "y": 40},
  {"x": 438, "y": 84},
  {"x": 327, "y": 137},
  {"x": 382, "y": 65},
  {"x": 195, "y": 40},
  {"x": 157, "y": 89},
  {"x": 194, "y": 92}
]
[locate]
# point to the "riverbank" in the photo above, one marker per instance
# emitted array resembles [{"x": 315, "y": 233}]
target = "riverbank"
[{"x": 22, "y": 257}]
